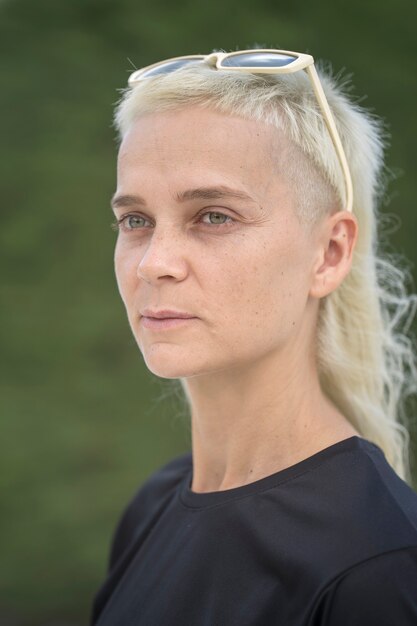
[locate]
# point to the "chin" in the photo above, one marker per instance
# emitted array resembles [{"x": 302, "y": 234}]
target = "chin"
[{"x": 165, "y": 365}]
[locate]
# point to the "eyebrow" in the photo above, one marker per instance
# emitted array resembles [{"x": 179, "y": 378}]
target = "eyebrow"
[{"x": 199, "y": 193}]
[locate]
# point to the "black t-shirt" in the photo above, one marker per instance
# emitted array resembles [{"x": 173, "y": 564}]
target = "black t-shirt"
[{"x": 329, "y": 541}]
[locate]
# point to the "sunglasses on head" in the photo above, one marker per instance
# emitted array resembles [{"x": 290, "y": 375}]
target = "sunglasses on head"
[{"x": 261, "y": 61}]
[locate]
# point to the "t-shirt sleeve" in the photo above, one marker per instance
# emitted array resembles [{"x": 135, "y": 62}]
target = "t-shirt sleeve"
[{"x": 381, "y": 591}]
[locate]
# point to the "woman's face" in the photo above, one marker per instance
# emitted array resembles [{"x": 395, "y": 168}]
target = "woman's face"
[{"x": 209, "y": 228}]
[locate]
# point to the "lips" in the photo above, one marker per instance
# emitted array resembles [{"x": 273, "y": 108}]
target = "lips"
[
  {"x": 166, "y": 323},
  {"x": 166, "y": 314}
]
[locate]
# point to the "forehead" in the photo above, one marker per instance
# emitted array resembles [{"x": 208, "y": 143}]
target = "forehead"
[{"x": 200, "y": 140}]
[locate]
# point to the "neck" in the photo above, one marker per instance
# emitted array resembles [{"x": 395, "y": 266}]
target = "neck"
[{"x": 252, "y": 421}]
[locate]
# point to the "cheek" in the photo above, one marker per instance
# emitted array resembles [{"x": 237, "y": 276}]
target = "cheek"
[
  {"x": 125, "y": 267},
  {"x": 288, "y": 293},
  {"x": 271, "y": 287}
]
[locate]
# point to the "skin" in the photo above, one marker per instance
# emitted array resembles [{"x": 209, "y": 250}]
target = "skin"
[{"x": 253, "y": 282}]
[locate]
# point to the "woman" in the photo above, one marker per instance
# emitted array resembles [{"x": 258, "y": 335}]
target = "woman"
[{"x": 247, "y": 261}]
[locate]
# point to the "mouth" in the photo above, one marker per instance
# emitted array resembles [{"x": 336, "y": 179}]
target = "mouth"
[
  {"x": 166, "y": 323},
  {"x": 164, "y": 313}
]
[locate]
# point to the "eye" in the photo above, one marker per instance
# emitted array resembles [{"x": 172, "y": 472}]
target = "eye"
[
  {"x": 136, "y": 222},
  {"x": 128, "y": 222},
  {"x": 218, "y": 216}
]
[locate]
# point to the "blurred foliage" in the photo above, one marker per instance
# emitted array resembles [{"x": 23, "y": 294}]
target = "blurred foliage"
[{"x": 83, "y": 421}]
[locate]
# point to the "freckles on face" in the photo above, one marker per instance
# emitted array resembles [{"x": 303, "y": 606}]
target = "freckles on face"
[
  {"x": 243, "y": 276},
  {"x": 266, "y": 288}
]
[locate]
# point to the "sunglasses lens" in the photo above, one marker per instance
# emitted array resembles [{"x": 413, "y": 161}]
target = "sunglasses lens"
[
  {"x": 258, "y": 59},
  {"x": 170, "y": 66}
]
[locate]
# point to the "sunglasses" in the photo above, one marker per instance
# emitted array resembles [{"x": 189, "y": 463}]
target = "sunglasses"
[{"x": 262, "y": 62}]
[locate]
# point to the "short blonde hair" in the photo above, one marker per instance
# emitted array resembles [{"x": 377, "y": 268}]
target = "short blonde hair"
[{"x": 366, "y": 360}]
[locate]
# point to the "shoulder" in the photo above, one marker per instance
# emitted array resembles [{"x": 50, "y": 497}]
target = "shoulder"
[
  {"x": 160, "y": 483},
  {"x": 377, "y": 509},
  {"x": 147, "y": 502},
  {"x": 379, "y": 591},
  {"x": 383, "y": 495},
  {"x": 345, "y": 506},
  {"x": 137, "y": 521}
]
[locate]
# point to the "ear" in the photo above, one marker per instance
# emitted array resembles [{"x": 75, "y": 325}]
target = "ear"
[{"x": 335, "y": 244}]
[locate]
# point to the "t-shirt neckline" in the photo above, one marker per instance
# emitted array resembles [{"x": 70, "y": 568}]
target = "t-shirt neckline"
[{"x": 194, "y": 499}]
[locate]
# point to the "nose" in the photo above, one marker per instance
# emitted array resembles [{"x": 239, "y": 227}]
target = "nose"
[{"x": 164, "y": 257}]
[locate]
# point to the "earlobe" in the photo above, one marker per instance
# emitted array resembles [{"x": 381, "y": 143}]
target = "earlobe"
[{"x": 335, "y": 254}]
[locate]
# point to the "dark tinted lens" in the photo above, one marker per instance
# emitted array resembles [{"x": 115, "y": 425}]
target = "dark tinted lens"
[
  {"x": 170, "y": 66},
  {"x": 258, "y": 59}
]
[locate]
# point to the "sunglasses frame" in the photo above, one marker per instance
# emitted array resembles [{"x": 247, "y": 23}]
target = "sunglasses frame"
[{"x": 301, "y": 62}]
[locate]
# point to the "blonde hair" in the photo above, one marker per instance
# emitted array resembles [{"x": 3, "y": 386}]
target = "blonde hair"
[{"x": 366, "y": 358}]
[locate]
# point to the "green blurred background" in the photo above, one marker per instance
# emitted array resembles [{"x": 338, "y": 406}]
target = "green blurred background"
[{"x": 83, "y": 421}]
